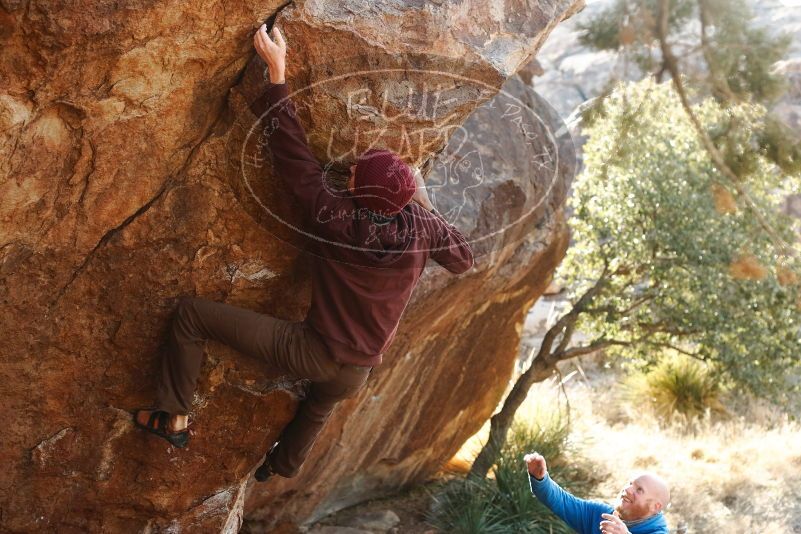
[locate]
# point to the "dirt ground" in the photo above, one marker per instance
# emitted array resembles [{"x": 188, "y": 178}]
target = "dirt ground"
[{"x": 741, "y": 473}]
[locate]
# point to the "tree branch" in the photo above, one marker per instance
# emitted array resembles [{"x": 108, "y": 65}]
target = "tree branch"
[
  {"x": 718, "y": 82},
  {"x": 586, "y": 349},
  {"x": 671, "y": 63},
  {"x": 677, "y": 349}
]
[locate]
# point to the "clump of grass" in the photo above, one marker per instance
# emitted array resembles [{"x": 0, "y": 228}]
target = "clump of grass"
[
  {"x": 677, "y": 389},
  {"x": 505, "y": 503},
  {"x": 467, "y": 506}
]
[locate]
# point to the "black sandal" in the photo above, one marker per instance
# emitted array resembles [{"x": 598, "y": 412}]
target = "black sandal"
[
  {"x": 265, "y": 470},
  {"x": 179, "y": 439}
]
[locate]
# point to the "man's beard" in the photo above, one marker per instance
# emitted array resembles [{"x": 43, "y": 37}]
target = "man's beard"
[
  {"x": 619, "y": 506},
  {"x": 633, "y": 512}
]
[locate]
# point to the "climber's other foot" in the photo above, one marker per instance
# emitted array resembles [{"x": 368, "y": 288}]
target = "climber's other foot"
[
  {"x": 158, "y": 423},
  {"x": 264, "y": 471}
]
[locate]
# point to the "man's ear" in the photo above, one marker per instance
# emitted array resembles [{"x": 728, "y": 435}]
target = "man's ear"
[{"x": 657, "y": 507}]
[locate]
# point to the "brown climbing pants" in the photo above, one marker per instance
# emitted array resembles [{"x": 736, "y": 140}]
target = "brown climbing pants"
[{"x": 292, "y": 347}]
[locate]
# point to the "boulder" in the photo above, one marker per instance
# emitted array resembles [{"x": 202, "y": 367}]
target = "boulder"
[
  {"x": 457, "y": 344},
  {"x": 379, "y": 521},
  {"x": 124, "y": 145}
]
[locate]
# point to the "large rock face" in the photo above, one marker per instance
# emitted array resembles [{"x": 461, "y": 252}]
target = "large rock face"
[
  {"x": 125, "y": 184},
  {"x": 457, "y": 343}
]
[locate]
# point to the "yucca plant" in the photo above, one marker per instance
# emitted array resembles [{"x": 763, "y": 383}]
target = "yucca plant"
[
  {"x": 549, "y": 437},
  {"x": 467, "y": 507},
  {"x": 505, "y": 503},
  {"x": 678, "y": 387}
]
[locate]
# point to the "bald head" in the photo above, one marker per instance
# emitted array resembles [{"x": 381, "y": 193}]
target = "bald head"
[
  {"x": 656, "y": 488},
  {"x": 645, "y": 495}
]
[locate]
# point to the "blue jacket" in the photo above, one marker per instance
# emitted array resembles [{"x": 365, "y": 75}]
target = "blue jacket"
[{"x": 585, "y": 516}]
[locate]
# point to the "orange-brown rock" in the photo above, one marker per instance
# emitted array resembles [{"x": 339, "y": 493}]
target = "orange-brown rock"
[
  {"x": 125, "y": 183},
  {"x": 458, "y": 341}
]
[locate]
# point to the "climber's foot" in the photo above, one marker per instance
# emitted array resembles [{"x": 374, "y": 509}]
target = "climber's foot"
[
  {"x": 265, "y": 470},
  {"x": 159, "y": 422}
]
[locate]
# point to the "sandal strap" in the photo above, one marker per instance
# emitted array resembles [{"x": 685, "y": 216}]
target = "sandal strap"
[
  {"x": 152, "y": 419},
  {"x": 158, "y": 424},
  {"x": 164, "y": 419}
]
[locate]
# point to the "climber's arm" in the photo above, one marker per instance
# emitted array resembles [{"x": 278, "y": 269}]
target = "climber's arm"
[
  {"x": 449, "y": 247},
  {"x": 581, "y": 515},
  {"x": 293, "y": 161}
]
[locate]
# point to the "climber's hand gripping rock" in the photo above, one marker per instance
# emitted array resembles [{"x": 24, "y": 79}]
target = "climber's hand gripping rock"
[{"x": 272, "y": 51}]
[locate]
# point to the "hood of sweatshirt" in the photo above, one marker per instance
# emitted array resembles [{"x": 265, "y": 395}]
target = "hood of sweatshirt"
[{"x": 388, "y": 244}]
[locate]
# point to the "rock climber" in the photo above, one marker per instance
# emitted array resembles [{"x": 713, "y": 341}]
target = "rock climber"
[
  {"x": 371, "y": 245},
  {"x": 638, "y": 509}
]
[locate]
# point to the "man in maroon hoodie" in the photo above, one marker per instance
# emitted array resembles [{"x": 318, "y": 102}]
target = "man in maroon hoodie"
[{"x": 370, "y": 245}]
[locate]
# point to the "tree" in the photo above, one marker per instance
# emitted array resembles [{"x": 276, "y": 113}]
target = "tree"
[
  {"x": 722, "y": 54},
  {"x": 724, "y": 57},
  {"x": 667, "y": 257},
  {"x": 726, "y": 65}
]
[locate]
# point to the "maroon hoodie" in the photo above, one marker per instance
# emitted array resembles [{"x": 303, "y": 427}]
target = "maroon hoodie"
[{"x": 363, "y": 268}]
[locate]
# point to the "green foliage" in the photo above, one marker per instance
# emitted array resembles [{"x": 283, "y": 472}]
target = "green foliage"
[
  {"x": 633, "y": 25},
  {"x": 684, "y": 273},
  {"x": 505, "y": 503},
  {"x": 781, "y": 146},
  {"x": 468, "y": 507},
  {"x": 608, "y": 30},
  {"x": 677, "y": 387},
  {"x": 594, "y": 108},
  {"x": 738, "y": 58}
]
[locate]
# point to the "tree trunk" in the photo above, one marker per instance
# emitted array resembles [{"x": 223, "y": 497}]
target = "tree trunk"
[
  {"x": 541, "y": 368},
  {"x": 502, "y": 421}
]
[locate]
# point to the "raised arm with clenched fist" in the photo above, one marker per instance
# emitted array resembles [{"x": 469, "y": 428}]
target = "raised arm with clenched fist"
[
  {"x": 536, "y": 465},
  {"x": 638, "y": 509}
]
